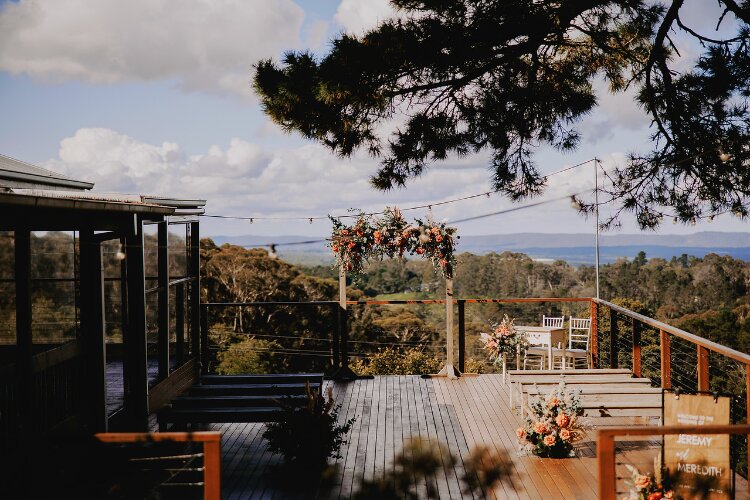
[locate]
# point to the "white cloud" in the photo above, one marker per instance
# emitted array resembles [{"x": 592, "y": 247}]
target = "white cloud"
[
  {"x": 208, "y": 45},
  {"x": 357, "y": 16}
]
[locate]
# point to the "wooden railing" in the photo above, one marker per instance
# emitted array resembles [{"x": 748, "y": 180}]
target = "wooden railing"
[
  {"x": 211, "y": 452},
  {"x": 605, "y": 447},
  {"x": 676, "y": 370}
]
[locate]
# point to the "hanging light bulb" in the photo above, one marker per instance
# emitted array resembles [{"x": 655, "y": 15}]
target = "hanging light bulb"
[
  {"x": 251, "y": 220},
  {"x": 674, "y": 220},
  {"x": 120, "y": 255},
  {"x": 724, "y": 157},
  {"x": 710, "y": 218},
  {"x": 311, "y": 220},
  {"x": 272, "y": 251},
  {"x": 574, "y": 203}
]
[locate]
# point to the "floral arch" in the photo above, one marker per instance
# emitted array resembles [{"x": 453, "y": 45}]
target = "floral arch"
[{"x": 390, "y": 235}]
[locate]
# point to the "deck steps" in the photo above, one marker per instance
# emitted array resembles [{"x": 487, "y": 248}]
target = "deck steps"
[
  {"x": 239, "y": 398},
  {"x": 603, "y": 393}
]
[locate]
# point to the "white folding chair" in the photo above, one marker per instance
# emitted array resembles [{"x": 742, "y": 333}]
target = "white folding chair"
[
  {"x": 578, "y": 352},
  {"x": 536, "y": 355}
]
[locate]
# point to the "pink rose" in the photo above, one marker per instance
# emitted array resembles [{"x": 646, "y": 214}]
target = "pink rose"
[
  {"x": 657, "y": 495},
  {"x": 642, "y": 482},
  {"x": 562, "y": 420},
  {"x": 549, "y": 440},
  {"x": 553, "y": 402},
  {"x": 521, "y": 433},
  {"x": 565, "y": 434}
]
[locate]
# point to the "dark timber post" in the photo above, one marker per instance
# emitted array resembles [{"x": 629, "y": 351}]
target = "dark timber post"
[
  {"x": 335, "y": 342},
  {"x": 136, "y": 364},
  {"x": 93, "y": 330},
  {"x": 613, "y": 339},
  {"x": 163, "y": 298},
  {"x": 461, "y": 335},
  {"x": 24, "y": 339},
  {"x": 636, "y": 327},
  {"x": 179, "y": 324},
  {"x": 703, "y": 354},
  {"x": 199, "y": 335}
]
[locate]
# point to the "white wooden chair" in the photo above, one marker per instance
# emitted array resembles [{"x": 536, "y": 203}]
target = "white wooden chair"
[
  {"x": 536, "y": 355},
  {"x": 578, "y": 353}
]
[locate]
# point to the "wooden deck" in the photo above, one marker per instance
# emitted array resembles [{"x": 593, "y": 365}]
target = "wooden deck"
[{"x": 389, "y": 410}]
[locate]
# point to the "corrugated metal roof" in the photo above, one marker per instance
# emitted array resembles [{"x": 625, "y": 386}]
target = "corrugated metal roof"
[
  {"x": 180, "y": 206},
  {"x": 17, "y": 173}
]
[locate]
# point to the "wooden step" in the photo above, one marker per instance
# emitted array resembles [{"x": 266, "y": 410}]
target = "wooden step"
[
  {"x": 596, "y": 389},
  {"x": 186, "y": 402},
  {"x": 219, "y": 415},
  {"x": 249, "y": 389},
  {"x": 584, "y": 371},
  {"x": 583, "y": 379},
  {"x": 270, "y": 378},
  {"x": 617, "y": 408}
]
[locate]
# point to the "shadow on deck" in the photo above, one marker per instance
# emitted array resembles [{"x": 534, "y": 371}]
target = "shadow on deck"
[{"x": 461, "y": 414}]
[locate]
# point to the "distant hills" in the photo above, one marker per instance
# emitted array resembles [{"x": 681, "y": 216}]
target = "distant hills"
[{"x": 573, "y": 248}]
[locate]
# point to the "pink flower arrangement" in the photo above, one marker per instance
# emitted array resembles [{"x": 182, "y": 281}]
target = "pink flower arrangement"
[
  {"x": 553, "y": 425},
  {"x": 504, "y": 339},
  {"x": 649, "y": 487}
]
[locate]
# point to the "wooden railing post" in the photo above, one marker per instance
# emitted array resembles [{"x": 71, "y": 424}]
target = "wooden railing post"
[
  {"x": 605, "y": 450},
  {"x": 336, "y": 341},
  {"x": 613, "y": 339},
  {"x": 212, "y": 471},
  {"x": 666, "y": 359},
  {"x": 461, "y": 335},
  {"x": 702, "y": 369},
  {"x": 595, "y": 334},
  {"x": 636, "y": 328}
]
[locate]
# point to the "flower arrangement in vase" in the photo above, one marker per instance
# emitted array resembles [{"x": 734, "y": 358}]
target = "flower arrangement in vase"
[
  {"x": 553, "y": 425},
  {"x": 503, "y": 339}
]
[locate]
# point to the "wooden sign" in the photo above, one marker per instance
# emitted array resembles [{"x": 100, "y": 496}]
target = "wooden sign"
[{"x": 698, "y": 459}]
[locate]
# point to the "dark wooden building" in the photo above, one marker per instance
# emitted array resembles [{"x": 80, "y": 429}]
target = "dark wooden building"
[{"x": 133, "y": 291}]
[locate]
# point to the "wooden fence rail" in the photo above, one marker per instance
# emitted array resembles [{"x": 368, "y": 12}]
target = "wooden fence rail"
[
  {"x": 211, "y": 452},
  {"x": 605, "y": 447}
]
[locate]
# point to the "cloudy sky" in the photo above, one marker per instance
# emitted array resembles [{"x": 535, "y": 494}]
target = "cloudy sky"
[{"x": 153, "y": 96}]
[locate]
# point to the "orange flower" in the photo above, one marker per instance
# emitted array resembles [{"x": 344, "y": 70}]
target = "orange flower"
[
  {"x": 642, "y": 482},
  {"x": 565, "y": 434},
  {"x": 335, "y": 248},
  {"x": 549, "y": 440},
  {"x": 344, "y": 232},
  {"x": 540, "y": 428},
  {"x": 438, "y": 238},
  {"x": 351, "y": 245},
  {"x": 521, "y": 433},
  {"x": 562, "y": 420},
  {"x": 378, "y": 237},
  {"x": 435, "y": 230},
  {"x": 657, "y": 495},
  {"x": 443, "y": 262},
  {"x": 420, "y": 250},
  {"x": 360, "y": 232}
]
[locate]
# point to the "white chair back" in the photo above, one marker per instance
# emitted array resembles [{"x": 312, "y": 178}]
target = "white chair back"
[
  {"x": 579, "y": 333},
  {"x": 552, "y": 321}
]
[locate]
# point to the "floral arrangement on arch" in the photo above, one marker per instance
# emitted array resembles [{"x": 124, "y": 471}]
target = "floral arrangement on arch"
[
  {"x": 392, "y": 236},
  {"x": 647, "y": 486},
  {"x": 352, "y": 245},
  {"x": 504, "y": 339},
  {"x": 554, "y": 424}
]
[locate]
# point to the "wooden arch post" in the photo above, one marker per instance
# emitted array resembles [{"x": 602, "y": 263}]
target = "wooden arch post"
[
  {"x": 449, "y": 370},
  {"x": 343, "y": 372}
]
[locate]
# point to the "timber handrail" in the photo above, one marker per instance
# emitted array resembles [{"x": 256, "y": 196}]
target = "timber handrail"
[
  {"x": 211, "y": 452},
  {"x": 695, "y": 339},
  {"x": 605, "y": 447}
]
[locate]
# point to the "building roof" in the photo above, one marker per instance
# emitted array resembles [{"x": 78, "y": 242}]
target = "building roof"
[
  {"x": 19, "y": 174},
  {"x": 25, "y": 184}
]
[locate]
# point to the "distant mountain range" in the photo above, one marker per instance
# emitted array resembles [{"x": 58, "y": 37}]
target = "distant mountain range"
[{"x": 573, "y": 248}]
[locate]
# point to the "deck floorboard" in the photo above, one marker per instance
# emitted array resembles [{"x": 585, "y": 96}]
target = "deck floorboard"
[{"x": 462, "y": 414}]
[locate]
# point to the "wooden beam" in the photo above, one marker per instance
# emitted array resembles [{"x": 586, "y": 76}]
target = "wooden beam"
[
  {"x": 179, "y": 313},
  {"x": 594, "y": 335},
  {"x": 613, "y": 362},
  {"x": 605, "y": 452},
  {"x": 703, "y": 384},
  {"x": 135, "y": 362},
  {"x": 163, "y": 299},
  {"x": 461, "y": 335},
  {"x": 636, "y": 329},
  {"x": 199, "y": 338},
  {"x": 666, "y": 359},
  {"x": 93, "y": 331},
  {"x": 24, "y": 334}
]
